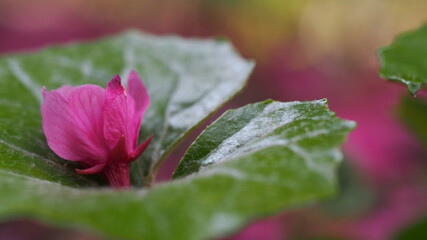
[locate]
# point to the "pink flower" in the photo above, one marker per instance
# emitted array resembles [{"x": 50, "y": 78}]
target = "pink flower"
[{"x": 96, "y": 127}]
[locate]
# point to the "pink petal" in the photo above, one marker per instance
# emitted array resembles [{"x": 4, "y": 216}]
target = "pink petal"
[
  {"x": 119, "y": 154},
  {"x": 138, "y": 102},
  {"x": 124, "y": 110},
  {"x": 65, "y": 91},
  {"x": 92, "y": 170},
  {"x": 137, "y": 91},
  {"x": 43, "y": 92},
  {"x": 116, "y": 116},
  {"x": 140, "y": 149},
  {"x": 73, "y": 125}
]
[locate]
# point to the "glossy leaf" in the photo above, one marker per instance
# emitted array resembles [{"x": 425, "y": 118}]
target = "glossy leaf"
[
  {"x": 305, "y": 131},
  {"x": 405, "y": 60},
  {"x": 273, "y": 156},
  {"x": 187, "y": 80}
]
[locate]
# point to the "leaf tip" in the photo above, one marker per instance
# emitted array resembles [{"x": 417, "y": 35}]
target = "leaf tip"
[
  {"x": 268, "y": 101},
  {"x": 322, "y": 102},
  {"x": 413, "y": 88},
  {"x": 351, "y": 125}
]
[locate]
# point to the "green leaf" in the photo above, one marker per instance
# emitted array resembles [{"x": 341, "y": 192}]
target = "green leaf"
[
  {"x": 418, "y": 230},
  {"x": 405, "y": 60},
  {"x": 187, "y": 80},
  {"x": 251, "y": 162},
  {"x": 304, "y": 131},
  {"x": 413, "y": 112}
]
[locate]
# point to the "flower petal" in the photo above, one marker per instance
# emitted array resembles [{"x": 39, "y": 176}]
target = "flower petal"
[
  {"x": 92, "y": 170},
  {"x": 140, "y": 149},
  {"x": 124, "y": 110},
  {"x": 118, "y": 153},
  {"x": 65, "y": 91},
  {"x": 116, "y": 116},
  {"x": 72, "y": 123},
  {"x": 138, "y": 102}
]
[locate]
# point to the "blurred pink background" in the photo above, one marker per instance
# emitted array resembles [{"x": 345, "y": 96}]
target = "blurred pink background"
[{"x": 305, "y": 50}]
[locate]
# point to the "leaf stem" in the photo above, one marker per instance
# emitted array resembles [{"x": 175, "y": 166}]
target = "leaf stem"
[{"x": 154, "y": 169}]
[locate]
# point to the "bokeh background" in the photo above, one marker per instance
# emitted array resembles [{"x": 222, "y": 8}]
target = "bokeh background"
[{"x": 305, "y": 50}]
